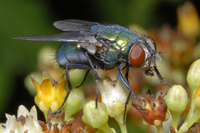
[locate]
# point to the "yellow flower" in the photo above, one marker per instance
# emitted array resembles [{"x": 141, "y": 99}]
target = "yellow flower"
[
  {"x": 50, "y": 93},
  {"x": 188, "y": 20}
]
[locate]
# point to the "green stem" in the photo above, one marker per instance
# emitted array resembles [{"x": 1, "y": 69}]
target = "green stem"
[
  {"x": 45, "y": 115},
  {"x": 120, "y": 121},
  {"x": 123, "y": 128},
  {"x": 160, "y": 128},
  {"x": 192, "y": 108},
  {"x": 189, "y": 122},
  {"x": 106, "y": 129},
  {"x": 175, "y": 118}
]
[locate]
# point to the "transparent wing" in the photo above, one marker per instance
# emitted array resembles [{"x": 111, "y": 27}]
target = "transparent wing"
[
  {"x": 61, "y": 37},
  {"x": 74, "y": 25}
]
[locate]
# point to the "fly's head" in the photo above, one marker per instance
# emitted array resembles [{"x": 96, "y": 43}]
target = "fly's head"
[{"x": 143, "y": 53}]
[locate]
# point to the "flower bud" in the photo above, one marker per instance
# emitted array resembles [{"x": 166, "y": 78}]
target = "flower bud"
[
  {"x": 97, "y": 117},
  {"x": 194, "y": 112},
  {"x": 93, "y": 116},
  {"x": 74, "y": 103},
  {"x": 193, "y": 79},
  {"x": 193, "y": 76},
  {"x": 197, "y": 97},
  {"x": 176, "y": 99}
]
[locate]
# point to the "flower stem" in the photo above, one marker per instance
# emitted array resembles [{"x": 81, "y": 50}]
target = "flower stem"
[
  {"x": 189, "y": 122},
  {"x": 106, "y": 128},
  {"x": 192, "y": 108},
  {"x": 120, "y": 121},
  {"x": 160, "y": 128},
  {"x": 175, "y": 118}
]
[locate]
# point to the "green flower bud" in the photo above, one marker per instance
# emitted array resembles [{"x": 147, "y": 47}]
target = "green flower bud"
[
  {"x": 74, "y": 103},
  {"x": 176, "y": 99},
  {"x": 93, "y": 116},
  {"x": 193, "y": 76},
  {"x": 193, "y": 79}
]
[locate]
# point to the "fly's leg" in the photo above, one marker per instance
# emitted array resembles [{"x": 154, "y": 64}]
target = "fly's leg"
[
  {"x": 70, "y": 65},
  {"x": 96, "y": 76},
  {"x": 127, "y": 85},
  {"x": 69, "y": 86},
  {"x": 126, "y": 103},
  {"x": 124, "y": 82},
  {"x": 126, "y": 75},
  {"x": 83, "y": 79},
  {"x": 157, "y": 72},
  {"x": 129, "y": 94},
  {"x": 160, "y": 77}
]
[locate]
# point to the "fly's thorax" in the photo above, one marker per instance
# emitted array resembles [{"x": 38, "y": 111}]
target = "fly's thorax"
[{"x": 143, "y": 52}]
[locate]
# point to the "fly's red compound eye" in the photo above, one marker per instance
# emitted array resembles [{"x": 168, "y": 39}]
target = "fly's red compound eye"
[
  {"x": 137, "y": 55},
  {"x": 152, "y": 40}
]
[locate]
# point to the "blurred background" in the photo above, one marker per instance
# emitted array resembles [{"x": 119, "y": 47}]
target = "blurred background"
[{"x": 174, "y": 25}]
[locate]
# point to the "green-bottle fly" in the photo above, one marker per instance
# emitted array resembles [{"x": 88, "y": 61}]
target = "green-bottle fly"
[{"x": 91, "y": 45}]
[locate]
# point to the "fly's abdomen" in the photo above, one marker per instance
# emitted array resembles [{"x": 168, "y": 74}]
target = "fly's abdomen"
[{"x": 71, "y": 53}]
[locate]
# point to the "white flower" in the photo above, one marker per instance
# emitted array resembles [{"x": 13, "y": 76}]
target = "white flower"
[{"x": 26, "y": 122}]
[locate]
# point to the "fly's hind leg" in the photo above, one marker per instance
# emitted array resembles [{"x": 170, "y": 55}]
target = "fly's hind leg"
[
  {"x": 83, "y": 79},
  {"x": 70, "y": 65},
  {"x": 96, "y": 76},
  {"x": 69, "y": 86}
]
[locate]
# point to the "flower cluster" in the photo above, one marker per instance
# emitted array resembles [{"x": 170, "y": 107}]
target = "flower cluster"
[{"x": 24, "y": 122}]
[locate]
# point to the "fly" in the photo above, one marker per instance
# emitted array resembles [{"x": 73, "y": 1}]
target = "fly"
[{"x": 91, "y": 45}]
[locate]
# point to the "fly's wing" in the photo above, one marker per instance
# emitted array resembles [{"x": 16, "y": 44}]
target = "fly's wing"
[
  {"x": 78, "y": 31},
  {"x": 74, "y": 25},
  {"x": 61, "y": 37}
]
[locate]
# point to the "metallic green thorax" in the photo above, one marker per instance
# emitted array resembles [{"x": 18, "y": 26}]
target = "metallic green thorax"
[{"x": 117, "y": 40}]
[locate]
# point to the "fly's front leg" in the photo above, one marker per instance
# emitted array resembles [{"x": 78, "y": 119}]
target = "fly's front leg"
[
  {"x": 126, "y": 75},
  {"x": 160, "y": 77},
  {"x": 96, "y": 76},
  {"x": 124, "y": 82},
  {"x": 127, "y": 85}
]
